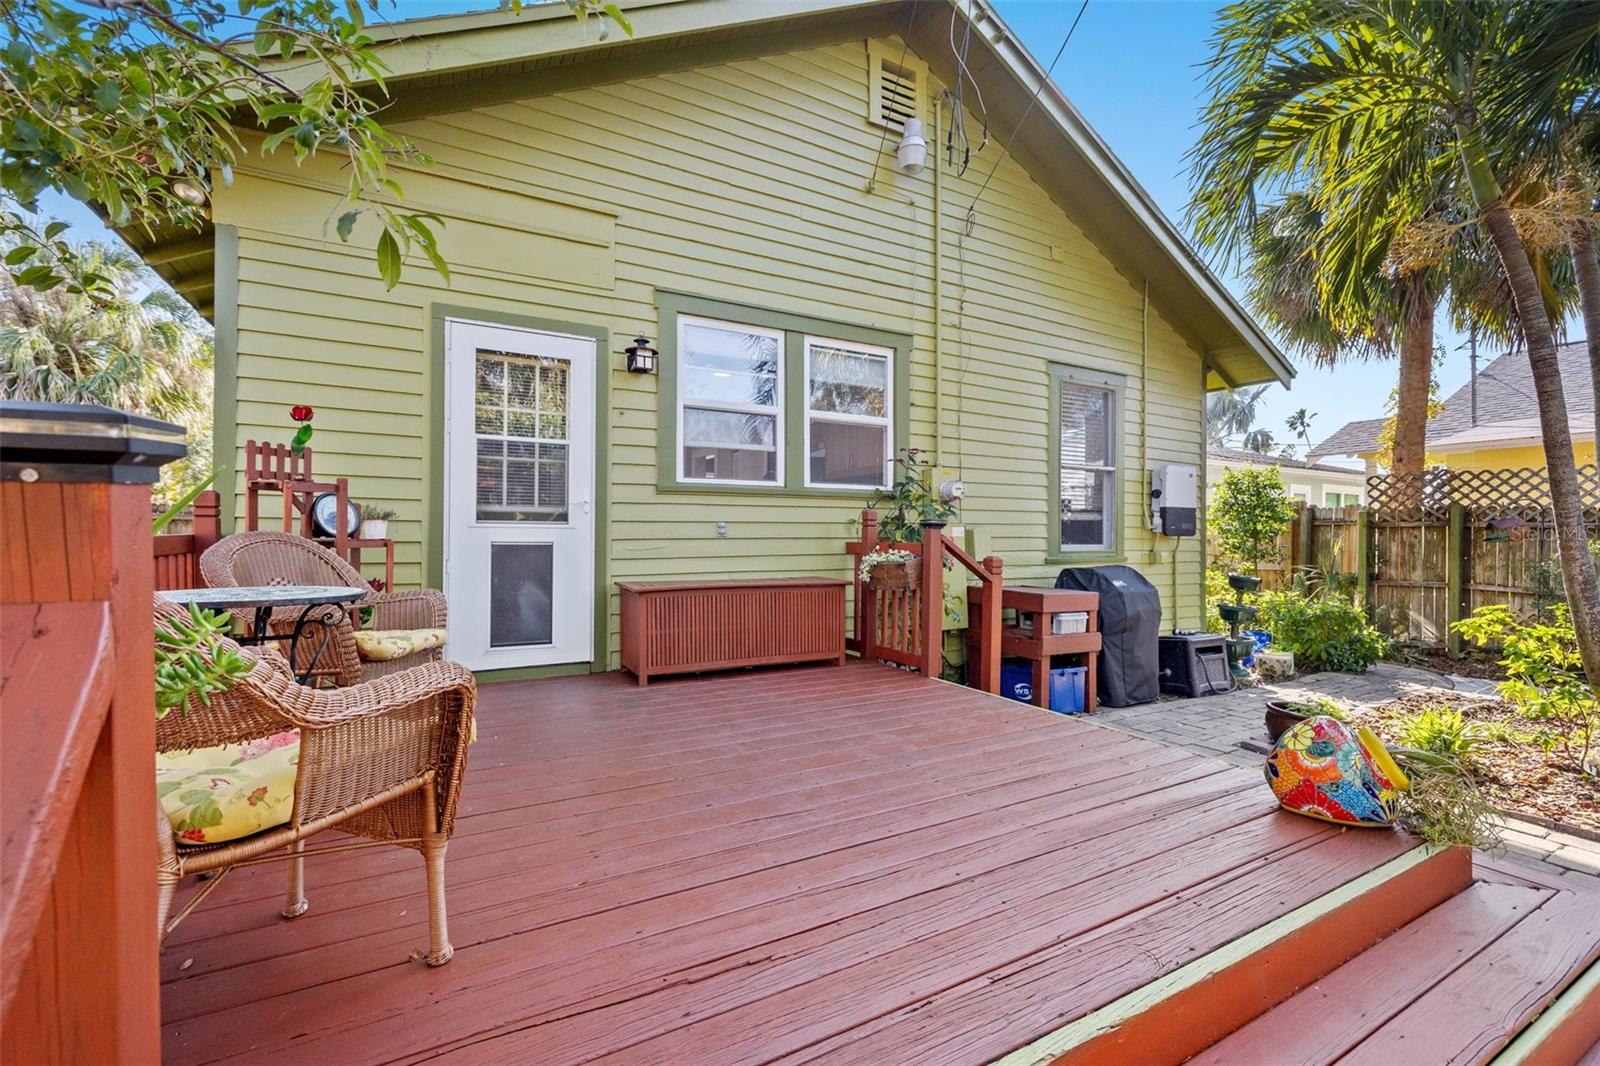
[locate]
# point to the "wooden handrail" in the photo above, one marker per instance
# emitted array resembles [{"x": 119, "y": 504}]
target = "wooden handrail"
[{"x": 908, "y": 627}]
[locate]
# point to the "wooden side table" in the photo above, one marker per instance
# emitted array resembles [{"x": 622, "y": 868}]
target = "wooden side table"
[{"x": 1039, "y": 645}]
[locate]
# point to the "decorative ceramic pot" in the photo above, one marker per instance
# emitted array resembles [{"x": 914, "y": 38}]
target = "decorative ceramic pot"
[
  {"x": 1324, "y": 769},
  {"x": 1280, "y": 716},
  {"x": 374, "y": 529},
  {"x": 891, "y": 577}
]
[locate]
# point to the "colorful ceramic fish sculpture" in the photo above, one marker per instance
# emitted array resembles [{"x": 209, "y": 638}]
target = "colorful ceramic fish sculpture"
[{"x": 1324, "y": 769}]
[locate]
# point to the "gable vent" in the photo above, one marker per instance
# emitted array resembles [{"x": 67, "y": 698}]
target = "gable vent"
[{"x": 897, "y": 80}]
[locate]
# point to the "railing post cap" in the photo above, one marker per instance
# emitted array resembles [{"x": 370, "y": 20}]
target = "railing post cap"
[{"x": 66, "y": 442}]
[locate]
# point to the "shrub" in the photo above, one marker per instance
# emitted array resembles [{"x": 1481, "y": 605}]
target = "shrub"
[
  {"x": 1544, "y": 676},
  {"x": 1217, "y": 592},
  {"x": 1327, "y": 632},
  {"x": 1250, "y": 511},
  {"x": 1442, "y": 731}
]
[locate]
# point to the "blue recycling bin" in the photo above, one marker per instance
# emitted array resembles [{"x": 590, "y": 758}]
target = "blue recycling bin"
[
  {"x": 1016, "y": 680},
  {"x": 1067, "y": 688}
]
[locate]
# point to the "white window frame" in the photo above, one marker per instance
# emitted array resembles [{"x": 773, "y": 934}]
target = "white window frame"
[
  {"x": 1108, "y": 540},
  {"x": 776, "y": 411},
  {"x": 886, "y": 421}
]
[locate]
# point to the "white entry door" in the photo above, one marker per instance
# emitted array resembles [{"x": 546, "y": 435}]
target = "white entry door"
[{"x": 519, "y": 495}]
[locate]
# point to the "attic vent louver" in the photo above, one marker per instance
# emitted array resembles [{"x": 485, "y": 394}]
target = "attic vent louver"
[{"x": 896, "y": 82}]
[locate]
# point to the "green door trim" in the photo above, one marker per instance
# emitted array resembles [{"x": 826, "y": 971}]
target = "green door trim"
[
  {"x": 433, "y": 490},
  {"x": 225, "y": 369}
]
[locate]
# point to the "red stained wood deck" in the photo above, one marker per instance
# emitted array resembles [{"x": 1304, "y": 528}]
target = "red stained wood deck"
[{"x": 849, "y": 863}]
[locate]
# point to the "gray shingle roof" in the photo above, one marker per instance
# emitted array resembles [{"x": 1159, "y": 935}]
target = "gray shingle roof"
[
  {"x": 1505, "y": 394},
  {"x": 1241, "y": 455}
]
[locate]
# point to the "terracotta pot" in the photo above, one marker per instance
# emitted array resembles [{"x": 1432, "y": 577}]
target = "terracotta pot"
[
  {"x": 893, "y": 577},
  {"x": 1280, "y": 716}
]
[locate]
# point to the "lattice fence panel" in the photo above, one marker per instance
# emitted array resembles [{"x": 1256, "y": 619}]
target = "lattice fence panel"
[{"x": 1486, "y": 494}]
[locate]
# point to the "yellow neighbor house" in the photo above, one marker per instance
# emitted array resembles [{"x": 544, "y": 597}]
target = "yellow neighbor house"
[{"x": 1491, "y": 423}]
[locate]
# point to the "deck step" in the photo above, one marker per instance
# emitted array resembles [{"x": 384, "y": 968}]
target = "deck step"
[
  {"x": 1189, "y": 1009},
  {"x": 1455, "y": 986}
]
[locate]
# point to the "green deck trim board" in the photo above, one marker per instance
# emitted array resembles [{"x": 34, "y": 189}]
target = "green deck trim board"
[
  {"x": 795, "y": 327},
  {"x": 1525, "y": 1045},
  {"x": 1061, "y": 373},
  {"x": 433, "y": 534},
  {"x": 1137, "y": 1002},
  {"x": 225, "y": 372}
]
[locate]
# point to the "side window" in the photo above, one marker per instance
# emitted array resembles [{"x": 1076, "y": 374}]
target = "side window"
[
  {"x": 849, "y": 404},
  {"x": 1085, "y": 428},
  {"x": 730, "y": 402}
]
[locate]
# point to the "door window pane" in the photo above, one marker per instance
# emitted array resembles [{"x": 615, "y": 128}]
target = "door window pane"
[
  {"x": 730, "y": 401},
  {"x": 521, "y": 422},
  {"x": 1085, "y": 420},
  {"x": 521, "y": 594}
]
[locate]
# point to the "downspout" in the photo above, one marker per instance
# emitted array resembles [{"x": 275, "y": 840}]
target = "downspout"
[{"x": 938, "y": 284}]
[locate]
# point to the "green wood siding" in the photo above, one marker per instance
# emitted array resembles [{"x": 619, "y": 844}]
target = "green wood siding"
[{"x": 578, "y": 207}]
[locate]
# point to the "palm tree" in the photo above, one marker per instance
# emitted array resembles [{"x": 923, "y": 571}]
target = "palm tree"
[
  {"x": 137, "y": 347},
  {"x": 1389, "y": 107},
  {"x": 1233, "y": 413},
  {"x": 1299, "y": 423}
]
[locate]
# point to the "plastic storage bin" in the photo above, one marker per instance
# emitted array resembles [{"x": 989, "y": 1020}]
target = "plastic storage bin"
[
  {"x": 1016, "y": 680},
  {"x": 1067, "y": 684}
]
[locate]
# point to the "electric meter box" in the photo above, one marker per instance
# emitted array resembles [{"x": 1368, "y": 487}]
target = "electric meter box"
[{"x": 1175, "y": 500}]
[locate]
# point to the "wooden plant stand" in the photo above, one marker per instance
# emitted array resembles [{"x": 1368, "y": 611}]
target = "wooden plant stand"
[
  {"x": 275, "y": 468},
  {"x": 1040, "y": 645}
]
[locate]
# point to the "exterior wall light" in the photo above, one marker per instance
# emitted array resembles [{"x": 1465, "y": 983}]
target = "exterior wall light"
[{"x": 641, "y": 357}]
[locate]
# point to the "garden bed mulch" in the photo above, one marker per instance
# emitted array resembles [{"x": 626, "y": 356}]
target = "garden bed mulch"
[
  {"x": 1474, "y": 663},
  {"x": 1516, "y": 776}
]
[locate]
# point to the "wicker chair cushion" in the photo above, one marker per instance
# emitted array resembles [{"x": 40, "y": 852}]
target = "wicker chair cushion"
[
  {"x": 384, "y": 645},
  {"x": 230, "y": 791}
]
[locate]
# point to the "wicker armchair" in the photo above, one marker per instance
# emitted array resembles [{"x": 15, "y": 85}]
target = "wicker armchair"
[
  {"x": 285, "y": 559},
  {"x": 383, "y": 760}
]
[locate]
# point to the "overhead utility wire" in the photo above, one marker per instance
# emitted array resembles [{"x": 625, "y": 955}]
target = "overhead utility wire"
[{"x": 1035, "y": 99}]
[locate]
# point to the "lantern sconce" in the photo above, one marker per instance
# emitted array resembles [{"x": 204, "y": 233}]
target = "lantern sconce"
[{"x": 641, "y": 357}]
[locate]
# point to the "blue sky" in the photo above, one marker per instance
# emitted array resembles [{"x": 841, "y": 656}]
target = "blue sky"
[{"x": 1132, "y": 68}]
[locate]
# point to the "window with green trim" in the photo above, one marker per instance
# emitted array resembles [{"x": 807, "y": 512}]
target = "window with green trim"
[
  {"x": 755, "y": 400},
  {"x": 1085, "y": 448}
]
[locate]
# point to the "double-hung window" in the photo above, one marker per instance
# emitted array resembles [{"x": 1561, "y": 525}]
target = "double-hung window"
[
  {"x": 849, "y": 399},
  {"x": 758, "y": 400},
  {"x": 730, "y": 395},
  {"x": 1085, "y": 420}
]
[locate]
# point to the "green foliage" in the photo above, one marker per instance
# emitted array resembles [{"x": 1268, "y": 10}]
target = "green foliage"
[
  {"x": 1321, "y": 705},
  {"x": 1444, "y": 805},
  {"x": 1217, "y": 593},
  {"x": 1544, "y": 676},
  {"x": 910, "y": 501},
  {"x": 1325, "y": 632},
  {"x": 374, "y": 513},
  {"x": 136, "y": 346},
  {"x": 191, "y": 494},
  {"x": 192, "y": 662},
  {"x": 1442, "y": 731},
  {"x": 131, "y": 106},
  {"x": 1249, "y": 512}
]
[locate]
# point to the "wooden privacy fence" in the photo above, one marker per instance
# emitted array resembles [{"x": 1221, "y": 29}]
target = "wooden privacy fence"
[{"x": 1428, "y": 551}]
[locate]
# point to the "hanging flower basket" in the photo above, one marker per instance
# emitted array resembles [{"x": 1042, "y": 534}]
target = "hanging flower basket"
[{"x": 891, "y": 569}]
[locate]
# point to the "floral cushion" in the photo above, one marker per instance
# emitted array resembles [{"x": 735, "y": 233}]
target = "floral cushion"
[
  {"x": 382, "y": 645},
  {"x": 223, "y": 793}
]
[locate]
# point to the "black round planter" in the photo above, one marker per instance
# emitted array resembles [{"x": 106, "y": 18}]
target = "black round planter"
[{"x": 1280, "y": 716}]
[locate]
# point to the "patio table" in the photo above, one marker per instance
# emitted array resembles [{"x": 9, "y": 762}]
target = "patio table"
[{"x": 322, "y": 608}]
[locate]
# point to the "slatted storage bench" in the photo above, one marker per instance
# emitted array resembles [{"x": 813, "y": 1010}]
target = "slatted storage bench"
[{"x": 682, "y": 627}]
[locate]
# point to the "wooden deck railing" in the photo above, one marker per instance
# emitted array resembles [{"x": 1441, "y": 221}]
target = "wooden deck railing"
[
  {"x": 178, "y": 554},
  {"x": 906, "y": 626},
  {"x": 77, "y": 729}
]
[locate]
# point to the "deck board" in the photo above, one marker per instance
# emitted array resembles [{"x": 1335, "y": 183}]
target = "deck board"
[{"x": 819, "y": 862}]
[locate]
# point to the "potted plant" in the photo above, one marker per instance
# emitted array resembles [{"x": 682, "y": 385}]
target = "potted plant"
[
  {"x": 1281, "y": 714},
  {"x": 375, "y": 522},
  {"x": 908, "y": 502}
]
